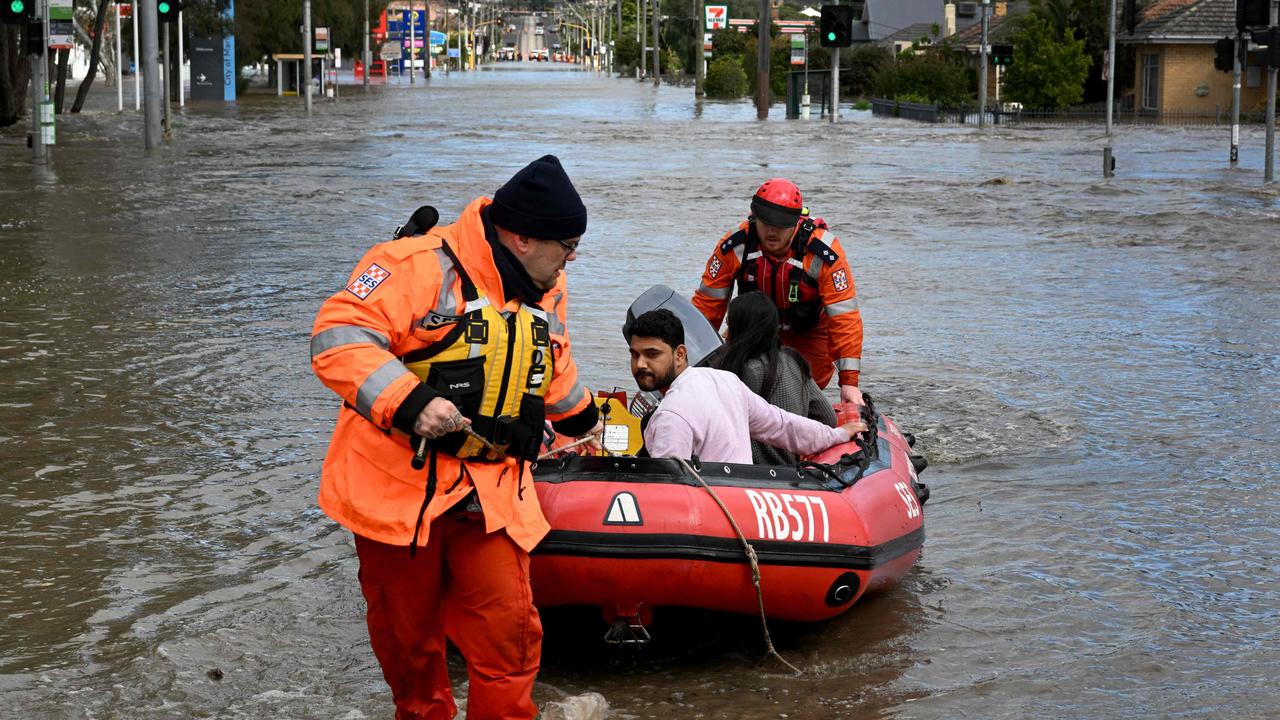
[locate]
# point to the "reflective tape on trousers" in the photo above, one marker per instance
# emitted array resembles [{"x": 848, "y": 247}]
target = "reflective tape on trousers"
[
  {"x": 334, "y": 337},
  {"x": 377, "y": 382}
]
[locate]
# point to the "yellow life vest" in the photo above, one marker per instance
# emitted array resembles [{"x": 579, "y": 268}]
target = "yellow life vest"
[{"x": 496, "y": 366}]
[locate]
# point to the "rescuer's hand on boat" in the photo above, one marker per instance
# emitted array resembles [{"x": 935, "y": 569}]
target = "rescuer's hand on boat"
[
  {"x": 851, "y": 394},
  {"x": 439, "y": 418},
  {"x": 595, "y": 445}
]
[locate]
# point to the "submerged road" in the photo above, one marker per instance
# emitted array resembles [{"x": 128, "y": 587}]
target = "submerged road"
[{"x": 1092, "y": 368}]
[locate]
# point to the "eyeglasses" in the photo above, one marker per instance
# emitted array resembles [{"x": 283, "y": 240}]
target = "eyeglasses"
[{"x": 569, "y": 248}]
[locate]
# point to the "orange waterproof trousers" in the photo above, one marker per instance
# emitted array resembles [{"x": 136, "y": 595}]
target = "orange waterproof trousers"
[
  {"x": 815, "y": 346},
  {"x": 472, "y": 587}
]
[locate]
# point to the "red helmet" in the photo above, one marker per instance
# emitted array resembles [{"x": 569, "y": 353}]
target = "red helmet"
[{"x": 778, "y": 203}]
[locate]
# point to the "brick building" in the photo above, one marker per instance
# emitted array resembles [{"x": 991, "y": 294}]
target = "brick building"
[{"x": 1173, "y": 59}]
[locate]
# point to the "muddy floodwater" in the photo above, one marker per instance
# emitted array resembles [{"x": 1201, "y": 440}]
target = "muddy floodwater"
[{"x": 1092, "y": 368}]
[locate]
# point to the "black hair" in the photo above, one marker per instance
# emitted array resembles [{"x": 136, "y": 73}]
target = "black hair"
[
  {"x": 753, "y": 332},
  {"x": 660, "y": 323}
]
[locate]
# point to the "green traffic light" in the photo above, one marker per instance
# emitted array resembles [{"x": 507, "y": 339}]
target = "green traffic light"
[
  {"x": 831, "y": 37},
  {"x": 17, "y": 6},
  {"x": 164, "y": 8}
]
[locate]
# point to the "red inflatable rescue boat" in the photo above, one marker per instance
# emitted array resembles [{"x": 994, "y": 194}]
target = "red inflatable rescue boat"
[{"x": 629, "y": 534}]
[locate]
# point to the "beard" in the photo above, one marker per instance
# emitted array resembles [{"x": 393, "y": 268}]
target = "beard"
[{"x": 649, "y": 381}]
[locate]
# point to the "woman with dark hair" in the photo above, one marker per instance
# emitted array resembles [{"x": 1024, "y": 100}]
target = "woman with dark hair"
[{"x": 778, "y": 374}]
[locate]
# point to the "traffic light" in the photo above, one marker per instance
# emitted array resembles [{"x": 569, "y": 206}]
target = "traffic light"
[
  {"x": 1224, "y": 52},
  {"x": 17, "y": 12},
  {"x": 1002, "y": 55},
  {"x": 1271, "y": 39},
  {"x": 1252, "y": 13},
  {"x": 835, "y": 26},
  {"x": 167, "y": 10}
]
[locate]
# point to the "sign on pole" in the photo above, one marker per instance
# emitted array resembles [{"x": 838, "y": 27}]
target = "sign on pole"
[
  {"x": 717, "y": 17},
  {"x": 797, "y": 49},
  {"x": 61, "y": 25},
  {"x": 322, "y": 40},
  {"x": 389, "y": 51}
]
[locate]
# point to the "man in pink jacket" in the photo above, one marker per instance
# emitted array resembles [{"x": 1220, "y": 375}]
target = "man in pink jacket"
[{"x": 710, "y": 413}]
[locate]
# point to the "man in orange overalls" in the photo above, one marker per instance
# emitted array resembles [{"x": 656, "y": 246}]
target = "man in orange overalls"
[
  {"x": 448, "y": 347},
  {"x": 793, "y": 260}
]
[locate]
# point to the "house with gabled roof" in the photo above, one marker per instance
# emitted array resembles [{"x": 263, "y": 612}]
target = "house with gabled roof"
[{"x": 1173, "y": 59}]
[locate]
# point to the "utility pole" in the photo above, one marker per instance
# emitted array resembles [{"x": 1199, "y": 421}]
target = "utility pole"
[
  {"x": 166, "y": 100},
  {"x": 119, "y": 66},
  {"x": 39, "y": 85},
  {"x": 426, "y": 39},
  {"x": 834, "y": 116},
  {"x": 1235, "y": 99},
  {"x": 413, "y": 43},
  {"x": 181, "y": 95},
  {"x": 150, "y": 67},
  {"x": 1107, "y": 161},
  {"x": 1269, "y": 175},
  {"x": 700, "y": 63},
  {"x": 982, "y": 66},
  {"x": 657, "y": 28},
  {"x": 642, "y": 12},
  {"x": 137, "y": 59},
  {"x": 365, "y": 57},
  {"x": 306, "y": 52},
  {"x": 762, "y": 62}
]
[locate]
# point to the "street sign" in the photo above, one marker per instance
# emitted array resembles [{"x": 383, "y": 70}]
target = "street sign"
[
  {"x": 206, "y": 68},
  {"x": 61, "y": 25},
  {"x": 797, "y": 50},
  {"x": 717, "y": 17},
  {"x": 389, "y": 51},
  {"x": 322, "y": 39},
  {"x": 455, "y": 52}
]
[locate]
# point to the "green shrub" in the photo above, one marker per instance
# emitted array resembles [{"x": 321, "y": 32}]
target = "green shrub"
[
  {"x": 725, "y": 78},
  {"x": 934, "y": 76}
]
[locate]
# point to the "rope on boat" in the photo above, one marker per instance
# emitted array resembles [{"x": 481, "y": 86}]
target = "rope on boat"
[{"x": 751, "y": 557}]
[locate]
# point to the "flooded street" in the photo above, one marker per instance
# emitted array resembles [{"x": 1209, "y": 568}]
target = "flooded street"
[{"x": 1092, "y": 368}]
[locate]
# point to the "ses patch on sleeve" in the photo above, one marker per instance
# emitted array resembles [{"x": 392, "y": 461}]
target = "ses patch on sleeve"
[
  {"x": 840, "y": 280},
  {"x": 713, "y": 267},
  {"x": 368, "y": 281}
]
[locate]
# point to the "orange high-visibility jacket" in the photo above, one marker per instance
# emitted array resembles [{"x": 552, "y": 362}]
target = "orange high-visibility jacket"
[
  {"x": 360, "y": 335},
  {"x": 822, "y": 259}
]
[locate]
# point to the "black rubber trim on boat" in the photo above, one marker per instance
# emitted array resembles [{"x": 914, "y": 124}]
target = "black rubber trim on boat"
[
  {"x": 658, "y": 546},
  {"x": 665, "y": 470}
]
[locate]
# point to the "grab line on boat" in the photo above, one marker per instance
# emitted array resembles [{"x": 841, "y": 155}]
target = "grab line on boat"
[{"x": 751, "y": 557}]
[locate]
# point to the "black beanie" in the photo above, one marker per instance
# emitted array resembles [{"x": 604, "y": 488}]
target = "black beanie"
[{"x": 540, "y": 202}]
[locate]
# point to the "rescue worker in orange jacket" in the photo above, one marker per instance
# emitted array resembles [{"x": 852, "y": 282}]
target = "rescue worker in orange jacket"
[
  {"x": 800, "y": 265},
  {"x": 448, "y": 347}
]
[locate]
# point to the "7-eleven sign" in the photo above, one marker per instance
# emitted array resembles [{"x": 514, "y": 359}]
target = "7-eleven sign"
[{"x": 717, "y": 17}]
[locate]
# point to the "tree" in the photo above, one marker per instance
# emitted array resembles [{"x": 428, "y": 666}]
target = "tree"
[
  {"x": 15, "y": 69},
  {"x": 1086, "y": 20},
  {"x": 1049, "y": 69}
]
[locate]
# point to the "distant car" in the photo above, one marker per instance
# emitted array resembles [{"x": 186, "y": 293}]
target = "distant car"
[
  {"x": 537, "y": 30},
  {"x": 555, "y": 46},
  {"x": 543, "y": 56}
]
